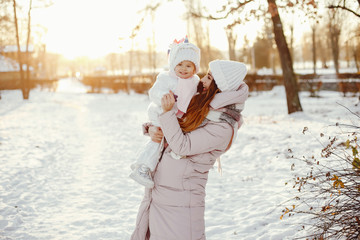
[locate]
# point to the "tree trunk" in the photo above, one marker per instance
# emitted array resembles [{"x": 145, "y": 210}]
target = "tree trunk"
[
  {"x": 27, "y": 79},
  {"x": 291, "y": 88},
  {"x": 335, "y": 23},
  {"x": 23, "y": 84},
  {"x": 197, "y": 34},
  {"x": 208, "y": 44},
  {"x": 356, "y": 60},
  {"x": 231, "y": 43},
  {"x": 334, "y": 38},
  {"x": 347, "y": 56},
  {"x": 313, "y": 31},
  {"x": 153, "y": 52}
]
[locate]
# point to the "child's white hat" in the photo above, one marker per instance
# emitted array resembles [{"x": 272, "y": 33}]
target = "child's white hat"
[
  {"x": 184, "y": 51},
  {"x": 228, "y": 75}
]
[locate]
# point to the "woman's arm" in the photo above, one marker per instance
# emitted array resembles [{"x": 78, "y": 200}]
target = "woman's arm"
[
  {"x": 213, "y": 136},
  {"x": 154, "y": 132}
]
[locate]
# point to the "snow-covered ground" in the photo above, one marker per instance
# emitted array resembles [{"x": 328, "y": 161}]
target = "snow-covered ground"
[{"x": 65, "y": 157}]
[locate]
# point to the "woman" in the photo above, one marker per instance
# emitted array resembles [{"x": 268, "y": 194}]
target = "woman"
[{"x": 174, "y": 208}]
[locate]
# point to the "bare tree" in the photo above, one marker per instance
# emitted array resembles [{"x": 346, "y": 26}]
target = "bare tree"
[
  {"x": 273, "y": 53},
  {"x": 314, "y": 18},
  {"x": 323, "y": 47},
  {"x": 151, "y": 10},
  {"x": 313, "y": 38},
  {"x": 27, "y": 60},
  {"x": 291, "y": 88},
  {"x": 25, "y": 79},
  {"x": 354, "y": 42},
  {"x": 24, "y": 87},
  {"x": 112, "y": 61},
  {"x": 6, "y": 24},
  {"x": 355, "y": 52},
  {"x": 232, "y": 38},
  {"x": 134, "y": 33},
  {"x": 334, "y": 30},
  {"x": 290, "y": 83},
  {"x": 199, "y": 35},
  {"x": 316, "y": 48}
]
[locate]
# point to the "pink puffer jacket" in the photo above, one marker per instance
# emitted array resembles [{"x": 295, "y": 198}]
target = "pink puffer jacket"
[{"x": 174, "y": 208}]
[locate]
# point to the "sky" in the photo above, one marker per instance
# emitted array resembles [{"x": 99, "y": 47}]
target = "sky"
[
  {"x": 93, "y": 28},
  {"x": 90, "y": 27}
]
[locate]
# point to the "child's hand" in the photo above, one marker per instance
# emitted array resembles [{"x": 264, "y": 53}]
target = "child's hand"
[{"x": 168, "y": 101}]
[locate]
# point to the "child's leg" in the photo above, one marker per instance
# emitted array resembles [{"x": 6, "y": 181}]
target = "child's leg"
[
  {"x": 146, "y": 163},
  {"x": 149, "y": 155}
]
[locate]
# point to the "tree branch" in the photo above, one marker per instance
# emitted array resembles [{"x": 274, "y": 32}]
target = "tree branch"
[
  {"x": 230, "y": 11},
  {"x": 344, "y": 8}
]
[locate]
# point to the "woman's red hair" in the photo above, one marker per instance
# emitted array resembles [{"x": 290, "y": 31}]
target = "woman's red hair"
[{"x": 198, "y": 109}]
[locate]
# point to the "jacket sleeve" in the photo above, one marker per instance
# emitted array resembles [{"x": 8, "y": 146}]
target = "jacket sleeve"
[
  {"x": 213, "y": 136},
  {"x": 226, "y": 98},
  {"x": 160, "y": 87}
]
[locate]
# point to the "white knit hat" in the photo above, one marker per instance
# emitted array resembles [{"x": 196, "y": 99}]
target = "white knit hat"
[
  {"x": 228, "y": 75},
  {"x": 184, "y": 52}
]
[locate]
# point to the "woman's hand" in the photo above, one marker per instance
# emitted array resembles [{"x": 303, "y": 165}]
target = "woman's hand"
[
  {"x": 168, "y": 101},
  {"x": 156, "y": 134}
]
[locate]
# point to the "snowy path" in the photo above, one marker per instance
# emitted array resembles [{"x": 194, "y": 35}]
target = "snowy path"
[
  {"x": 65, "y": 161},
  {"x": 65, "y": 156}
]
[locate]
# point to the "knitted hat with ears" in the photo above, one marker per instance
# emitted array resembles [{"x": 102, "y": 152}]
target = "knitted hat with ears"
[
  {"x": 228, "y": 75},
  {"x": 184, "y": 51}
]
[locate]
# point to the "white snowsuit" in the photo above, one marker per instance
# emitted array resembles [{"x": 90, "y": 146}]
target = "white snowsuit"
[{"x": 165, "y": 81}]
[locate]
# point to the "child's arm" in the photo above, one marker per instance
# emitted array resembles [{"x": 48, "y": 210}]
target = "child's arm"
[{"x": 162, "y": 85}]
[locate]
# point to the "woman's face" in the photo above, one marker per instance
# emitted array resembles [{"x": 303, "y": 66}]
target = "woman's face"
[
  {"x": 206, "y": 80},
  {"x": 185, "y": 69}
]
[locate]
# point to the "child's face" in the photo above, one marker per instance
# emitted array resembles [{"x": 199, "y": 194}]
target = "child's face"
[
  {"x": 185, "y": 69},
  {"x": 206, "y": 80}
]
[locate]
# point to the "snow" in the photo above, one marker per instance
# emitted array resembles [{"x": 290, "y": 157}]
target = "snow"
[{"x": 65, "y": 160}]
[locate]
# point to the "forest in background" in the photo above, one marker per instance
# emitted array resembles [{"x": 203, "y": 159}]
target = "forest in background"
[{"x": 333, "y": 38}]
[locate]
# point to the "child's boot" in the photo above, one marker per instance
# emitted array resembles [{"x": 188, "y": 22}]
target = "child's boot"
[{"x": 141, "y": 174}]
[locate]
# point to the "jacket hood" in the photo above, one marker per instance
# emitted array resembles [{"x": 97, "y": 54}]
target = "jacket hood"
[{"x": 223, "y": 99}]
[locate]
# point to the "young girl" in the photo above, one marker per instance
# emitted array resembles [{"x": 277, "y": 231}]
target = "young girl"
[{"x": 184, "y": 62}]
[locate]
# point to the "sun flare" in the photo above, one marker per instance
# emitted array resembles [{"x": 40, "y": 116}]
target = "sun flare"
[{"x": 94, "y": 28}]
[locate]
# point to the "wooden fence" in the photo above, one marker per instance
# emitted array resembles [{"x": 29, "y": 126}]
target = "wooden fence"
[
  {"x": 10, "y": 84},
  {"x": 139, "y": 84},
  {"x": 345, "y": 83}
]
